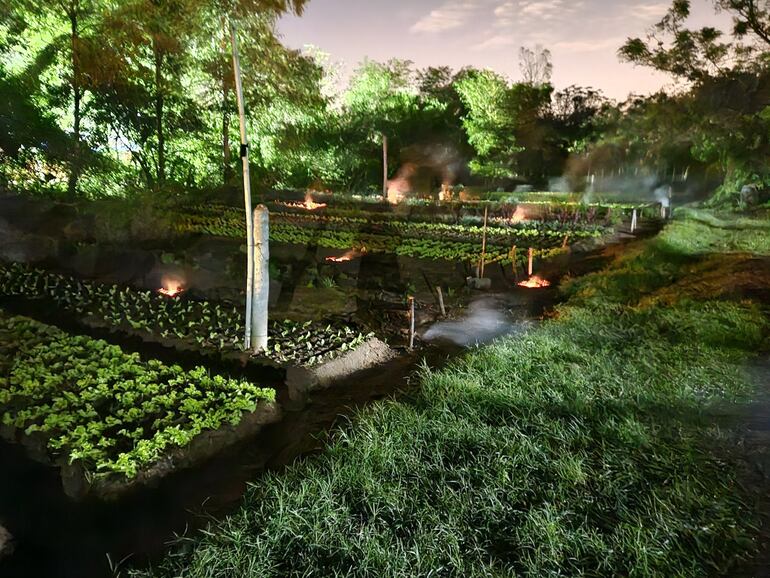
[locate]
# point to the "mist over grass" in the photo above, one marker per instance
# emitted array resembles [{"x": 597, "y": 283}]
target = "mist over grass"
[{"x": 583, "y": 448}]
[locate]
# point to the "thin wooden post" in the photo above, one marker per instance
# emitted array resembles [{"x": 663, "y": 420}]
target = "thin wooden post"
[
  {"x": 441, "y": 300},
  {"x": 384, "y": 167},
  {"x": 484, "y": 243},
  {"x": 633, "y": 221},
  {"x": 513, "y": 263},
  {"x": 246, "y": 187},
  {"x": 411, "y": 322},
  {"x": 531, "y": 259},
  {"x": 566, "y": 241}
]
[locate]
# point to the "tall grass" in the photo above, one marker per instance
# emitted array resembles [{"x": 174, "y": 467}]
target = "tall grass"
[{"x": 583, "y": 448}]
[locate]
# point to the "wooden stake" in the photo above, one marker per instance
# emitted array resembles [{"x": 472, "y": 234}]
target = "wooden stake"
[
  {"x": 566, "y": 241},
  {"x": 531, "y": 259},
  {"x": 384, "y": 167},
  {"x": 441, "y": 301},
  {"x": 633, "y": 221},
  {"x": 484, "y": 243},
  {"x": 513, "y": 263},
  {"x": 411, "y": 322},
  {"x": 246, "y": 187}
]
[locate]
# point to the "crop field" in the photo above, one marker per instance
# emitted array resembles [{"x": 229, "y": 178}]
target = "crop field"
[
  {"x": 200, "y": 324},
  {"x": 90, "y": 403},
  {"x": 269, "y": 312},
  {"x": 444, "y": 234}
]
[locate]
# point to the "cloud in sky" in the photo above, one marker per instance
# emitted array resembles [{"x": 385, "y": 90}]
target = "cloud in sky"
[
  {"x": 450, "y": 15},
  {"x": 583, "y": 35},
  {"x": 566, "y": 25}
]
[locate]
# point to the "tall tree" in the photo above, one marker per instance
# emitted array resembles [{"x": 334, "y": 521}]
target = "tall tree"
[
  {"x": 535, "y": 64},
  {"x": 729, "y": 80},
  {"x": 74, "y": 46}
]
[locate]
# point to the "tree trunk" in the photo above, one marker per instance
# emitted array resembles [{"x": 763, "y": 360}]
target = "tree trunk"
[
  {"x": 159, "y": 104},
  {"x": 77, "y": 95}
]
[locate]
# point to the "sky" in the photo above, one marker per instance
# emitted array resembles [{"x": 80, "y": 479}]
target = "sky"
[{"x": 582, "y": 35}]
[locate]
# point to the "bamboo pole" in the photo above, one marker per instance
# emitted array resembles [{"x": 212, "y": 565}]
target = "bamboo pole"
[
  {"x": 246, "y": 187},
  {"x": 484, "y": 243},
  {"x": 384, "y": 167}
]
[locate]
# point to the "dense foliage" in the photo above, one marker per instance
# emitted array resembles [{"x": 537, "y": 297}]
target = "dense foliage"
[
  {"x": 111, "y": 412},
  {"x": 723, "y": 120},
  {"x": 106, "y": 98}
]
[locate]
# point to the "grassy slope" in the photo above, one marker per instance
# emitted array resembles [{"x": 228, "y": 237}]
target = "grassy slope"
[{"x": 583, "y": 448}]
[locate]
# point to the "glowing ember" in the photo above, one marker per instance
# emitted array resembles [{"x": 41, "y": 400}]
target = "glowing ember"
[
  {"x": 170, "y": 292},
  {"x": 349, "y": 256},
  {"x": 535, "y": 282},
  {"x": 170, "y": 289},
  {"x": 309, "y": 204},
  {"x": 518, "y": 216}
]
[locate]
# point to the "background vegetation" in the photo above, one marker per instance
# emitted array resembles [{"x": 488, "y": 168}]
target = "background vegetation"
[{"x": 111, "y": 98}]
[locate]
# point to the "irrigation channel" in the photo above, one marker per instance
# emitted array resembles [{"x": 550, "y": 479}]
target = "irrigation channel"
[{"x": 56, "y": 536}]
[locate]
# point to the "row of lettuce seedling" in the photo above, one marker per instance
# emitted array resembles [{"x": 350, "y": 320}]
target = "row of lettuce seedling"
[
  {"x": 422, "y": 247},
  {"x": 228, "y": 221},
  {"x": 205, "y": 325},
  {"x": 91, "y": 403}
]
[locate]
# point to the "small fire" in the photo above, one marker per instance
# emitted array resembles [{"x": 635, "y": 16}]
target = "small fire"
[
  {"x": 170, "y": 291},
  {"x": 349, "y": 256},
  {"x": 309, "y": 204},
  {"x": 535, "y": 282},
  {"x": 171, "y": 287},
  {"x": 518, "y": 216}
]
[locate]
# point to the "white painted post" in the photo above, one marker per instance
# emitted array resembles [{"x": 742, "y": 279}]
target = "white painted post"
[
  {"x": 633, "y": 221},
  {"x": 261, "y": 290},
  {"x": 246, "y": 186}
]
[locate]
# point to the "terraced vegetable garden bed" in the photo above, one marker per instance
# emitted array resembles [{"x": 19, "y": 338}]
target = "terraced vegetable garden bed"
[
  {"x": 109, "y": 420},
  {"x": 412, "y": 239},
  {"x": 566, "y": 205},
  {"x": 187, "y": 323}
]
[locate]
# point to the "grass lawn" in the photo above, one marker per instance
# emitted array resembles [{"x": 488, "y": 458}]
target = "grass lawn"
[{"x": 584, "y": 448}]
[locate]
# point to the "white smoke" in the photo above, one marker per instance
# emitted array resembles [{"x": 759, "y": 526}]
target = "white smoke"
[{"x": 483, "y": 322}]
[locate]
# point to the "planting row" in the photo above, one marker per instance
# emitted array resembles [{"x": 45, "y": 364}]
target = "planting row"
[
  {"x": 535, "y": 233},
  {"x": 509, "y": 220},
  {"x": 601, "y": 205},
  {"x": 88, "y": 402},
  {"x": 202, "y": 324},
  {"x": 422, "y": 246}
]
